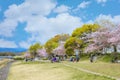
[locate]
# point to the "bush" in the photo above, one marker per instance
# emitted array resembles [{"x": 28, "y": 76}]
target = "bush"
[
  {"x": 105, "y": 58},
  {"x": 18, "y": 58},
  {"x": 45, "y": 59}
]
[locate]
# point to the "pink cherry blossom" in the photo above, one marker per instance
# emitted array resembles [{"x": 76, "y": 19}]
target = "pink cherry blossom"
[
  {"x": 42, "y": 52},
  {"x": 27, "y": 54},
  {"x": 60, "y": 50},
  {"x": 103, "y": 38}
]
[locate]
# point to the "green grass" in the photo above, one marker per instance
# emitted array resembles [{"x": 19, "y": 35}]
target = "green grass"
[
  {"x": 110, "y": 69},
  {"x": 103, "y": 58},
  {"x": 48, "y": 71}
]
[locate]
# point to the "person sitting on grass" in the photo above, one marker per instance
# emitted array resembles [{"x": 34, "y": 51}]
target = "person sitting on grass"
[
  {"x": 72, "y": 59},
  {"x": 53, "y": 59},
  {"x": 57, "y": 58},
  {"x": 93, "y": 58}
]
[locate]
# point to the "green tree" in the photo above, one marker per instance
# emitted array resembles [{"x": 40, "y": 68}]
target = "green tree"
[
  {"x": 78, "y": 38},
  {"x": 71, "y": 44},
  {"x": 50, "y": 45},
  {"x": 54, "y": 42},
  {"x": 33, "y": 49},
  {"x": 85, "y": 29},
  {"x": 69, "y": 51}
]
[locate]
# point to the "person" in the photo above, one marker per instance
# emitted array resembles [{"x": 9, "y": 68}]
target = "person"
[
  {"x": 94, "y": 57},
  {"x": 66, "y": 56},
  {"x": 76, "y": 50},
  {"x": 72, "y": 58},
  {"x": 91, "y": 58},
  {"x": 115, "y": 59},
  {"x": 57, "y": 58},
  {"x": 77, "y": 58},
  {"x": 26, "y": 59},
  {"x": 53, "y": 59}
]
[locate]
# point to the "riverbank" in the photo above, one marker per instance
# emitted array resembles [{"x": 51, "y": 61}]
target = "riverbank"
[{"x": 4, "y": 69}]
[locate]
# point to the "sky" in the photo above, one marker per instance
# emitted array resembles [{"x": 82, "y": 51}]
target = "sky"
[{"x": 25, "y": 22}]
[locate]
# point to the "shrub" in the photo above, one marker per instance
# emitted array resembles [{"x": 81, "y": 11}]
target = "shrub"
[{"x": 18, "y": 58}]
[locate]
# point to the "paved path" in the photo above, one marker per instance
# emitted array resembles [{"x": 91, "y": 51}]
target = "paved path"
[
  {"x": 4, "y": 71},
  {"x": 95, "y": 73}
]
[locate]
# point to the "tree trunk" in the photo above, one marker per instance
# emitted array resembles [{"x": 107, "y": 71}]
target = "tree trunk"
[
  {"x": 115, "y": 54},
  {"x": 115, "y": 48}
]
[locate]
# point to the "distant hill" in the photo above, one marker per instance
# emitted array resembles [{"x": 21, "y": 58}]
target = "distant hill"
[{"x": 13, "y": 50}]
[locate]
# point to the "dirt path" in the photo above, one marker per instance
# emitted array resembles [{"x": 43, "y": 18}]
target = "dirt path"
[
  {"x": 91, "y": 72},
  {"x": 4, "y": 71}
]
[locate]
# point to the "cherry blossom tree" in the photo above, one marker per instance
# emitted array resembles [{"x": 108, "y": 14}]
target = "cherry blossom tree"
[
  {"x": 42, "y": 52},
  {"x": 27, "y": 55},
  {"x": 60, "y": 50},
  {"x": 104, "y": 38},
  {"x": 114, "y": 40},
  {"x": 97, "y": 40}
]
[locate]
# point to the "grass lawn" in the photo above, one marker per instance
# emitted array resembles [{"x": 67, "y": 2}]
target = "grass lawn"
[
  {"x": 111, "y": 69},
  {"x": 48, "y": 71}
]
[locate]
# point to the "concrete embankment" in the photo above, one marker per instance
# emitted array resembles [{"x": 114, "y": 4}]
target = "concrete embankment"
[{"x": 5, "y": 70}]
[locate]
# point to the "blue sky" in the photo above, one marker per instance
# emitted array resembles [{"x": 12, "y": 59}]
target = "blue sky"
[{"x": 24, "y": 22}]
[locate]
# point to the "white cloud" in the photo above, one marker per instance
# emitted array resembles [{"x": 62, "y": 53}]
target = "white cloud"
[
  {"x": 84, "y": 4},
  {"x": 7, "y": 27},
  {"x": 22, "y": 12},
  {"x": 30, "y": 7},
  {"x": 55, "y": 24},
  {"x": 117, "y": 19},
  {"x": 48, "y": 27},
  {"x": 61, "y": 9},
  {"x": 7, "y": 44},
  {"x": 24, "y": 44},
  {"x": 101, "y": 1},
  {"x": 103, "y": 20},
  {"x": 41, "y": 28}
]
